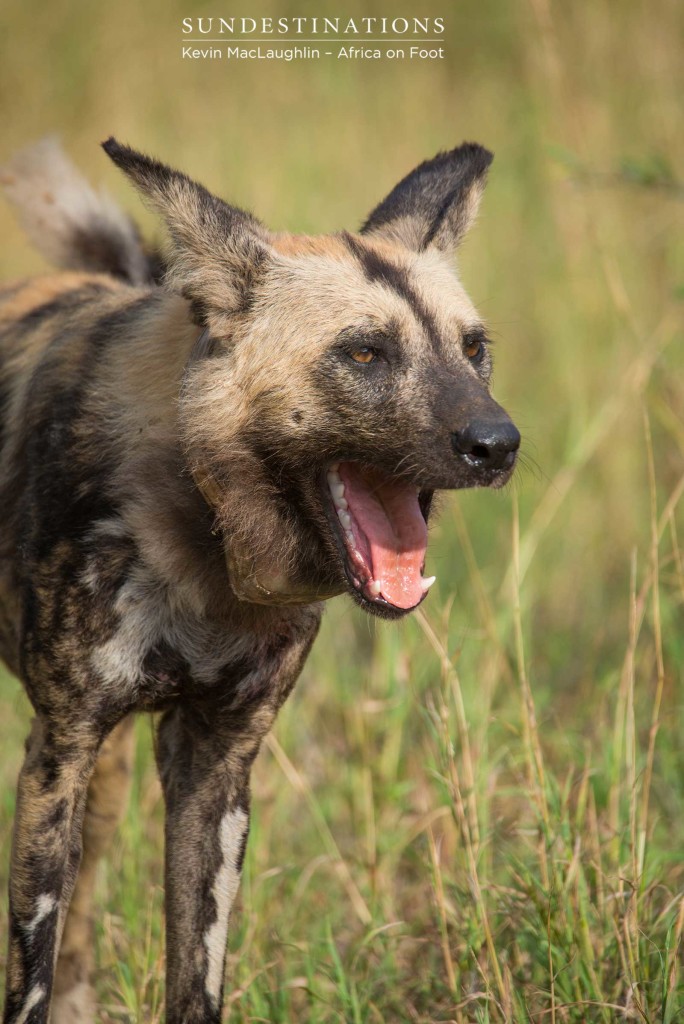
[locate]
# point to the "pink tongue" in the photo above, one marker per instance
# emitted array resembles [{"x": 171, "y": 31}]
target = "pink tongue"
[{"x": 388, "y": 514}]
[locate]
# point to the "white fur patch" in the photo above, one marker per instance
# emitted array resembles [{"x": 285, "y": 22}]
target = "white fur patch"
[
  {"x": 148, "y": 616},
  {"x": 34, "y": 997},
  {"x": 45, "y": 904},
  {"x": 231, "y": 834},
  {"x": 144, "y": 617}
]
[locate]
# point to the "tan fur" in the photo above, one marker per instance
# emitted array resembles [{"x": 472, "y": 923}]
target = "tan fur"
[{"x": 309, "y": 245}]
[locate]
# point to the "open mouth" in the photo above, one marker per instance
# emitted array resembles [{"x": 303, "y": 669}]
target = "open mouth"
[{"x": 384, "y": 532}]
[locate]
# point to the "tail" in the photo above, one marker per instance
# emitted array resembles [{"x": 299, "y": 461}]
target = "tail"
[{"x": 70, "y": 223}]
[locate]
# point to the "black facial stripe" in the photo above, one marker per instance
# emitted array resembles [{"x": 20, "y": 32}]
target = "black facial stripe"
[{"x": 378, "y": 269}]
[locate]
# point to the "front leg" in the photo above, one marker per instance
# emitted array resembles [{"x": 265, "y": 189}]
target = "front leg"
[
  {"x": 206, "y": 747},
  {"x": 205, "y": 778},
  {"x": 46, "y": 852}
]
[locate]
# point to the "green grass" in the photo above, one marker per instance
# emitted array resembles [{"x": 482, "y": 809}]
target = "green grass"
[{"x": 476, "y": 815}]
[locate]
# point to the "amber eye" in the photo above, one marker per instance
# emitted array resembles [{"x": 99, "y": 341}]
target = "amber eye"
[
  {"x": 363, "y": 355},
  {"x": 474, "y": 348}
]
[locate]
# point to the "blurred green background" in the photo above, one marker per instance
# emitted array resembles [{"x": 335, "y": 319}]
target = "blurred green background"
[{"x": 478, "y": 814}]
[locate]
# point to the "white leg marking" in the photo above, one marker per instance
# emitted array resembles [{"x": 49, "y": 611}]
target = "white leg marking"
[
  {"x": 45, "y": 905},
  {"x": 34, "y": 997},
  {"x": 231, "y": 833}
]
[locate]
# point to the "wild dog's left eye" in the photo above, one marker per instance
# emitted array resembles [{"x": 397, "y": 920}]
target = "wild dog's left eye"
[{"x": 363, "y": 355}]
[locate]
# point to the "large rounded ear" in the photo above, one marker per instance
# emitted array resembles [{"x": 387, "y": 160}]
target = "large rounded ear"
[
  {"x": 436, "y": 203},
  {"x": 218, "y": 252}
]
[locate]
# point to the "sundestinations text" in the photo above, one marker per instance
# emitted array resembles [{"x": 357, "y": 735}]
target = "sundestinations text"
[{"x": 312, "y": 26}]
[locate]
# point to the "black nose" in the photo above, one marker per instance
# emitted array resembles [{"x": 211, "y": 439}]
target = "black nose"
[{"x": 487, "y": 444}]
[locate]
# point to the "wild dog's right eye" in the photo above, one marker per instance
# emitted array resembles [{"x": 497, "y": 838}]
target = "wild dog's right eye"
[
  {"x": 363, "y": 355},
  {"x": 372, "y": 346}
]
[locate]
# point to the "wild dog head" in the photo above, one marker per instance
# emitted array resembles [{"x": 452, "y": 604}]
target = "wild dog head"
[{"x": 337, "y": 382}]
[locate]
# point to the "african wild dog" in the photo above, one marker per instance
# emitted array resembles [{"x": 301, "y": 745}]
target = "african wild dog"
[{"x": 191, "y": 463}]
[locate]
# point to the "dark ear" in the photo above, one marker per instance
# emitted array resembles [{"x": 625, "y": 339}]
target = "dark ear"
[
  {"x": 435, "y": 204},
  {"x": 218, "y": 252}
]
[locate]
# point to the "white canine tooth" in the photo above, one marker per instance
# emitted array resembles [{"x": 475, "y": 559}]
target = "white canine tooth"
[
  {"x": 344, "y": 518},
  {"x": 375, "y": 588},
  {"x": 337, "y": 489},
  {"x": 333, "y": 479},
  {"x": 427, "y": 582},
  {"x": 341, "y": 503}
]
